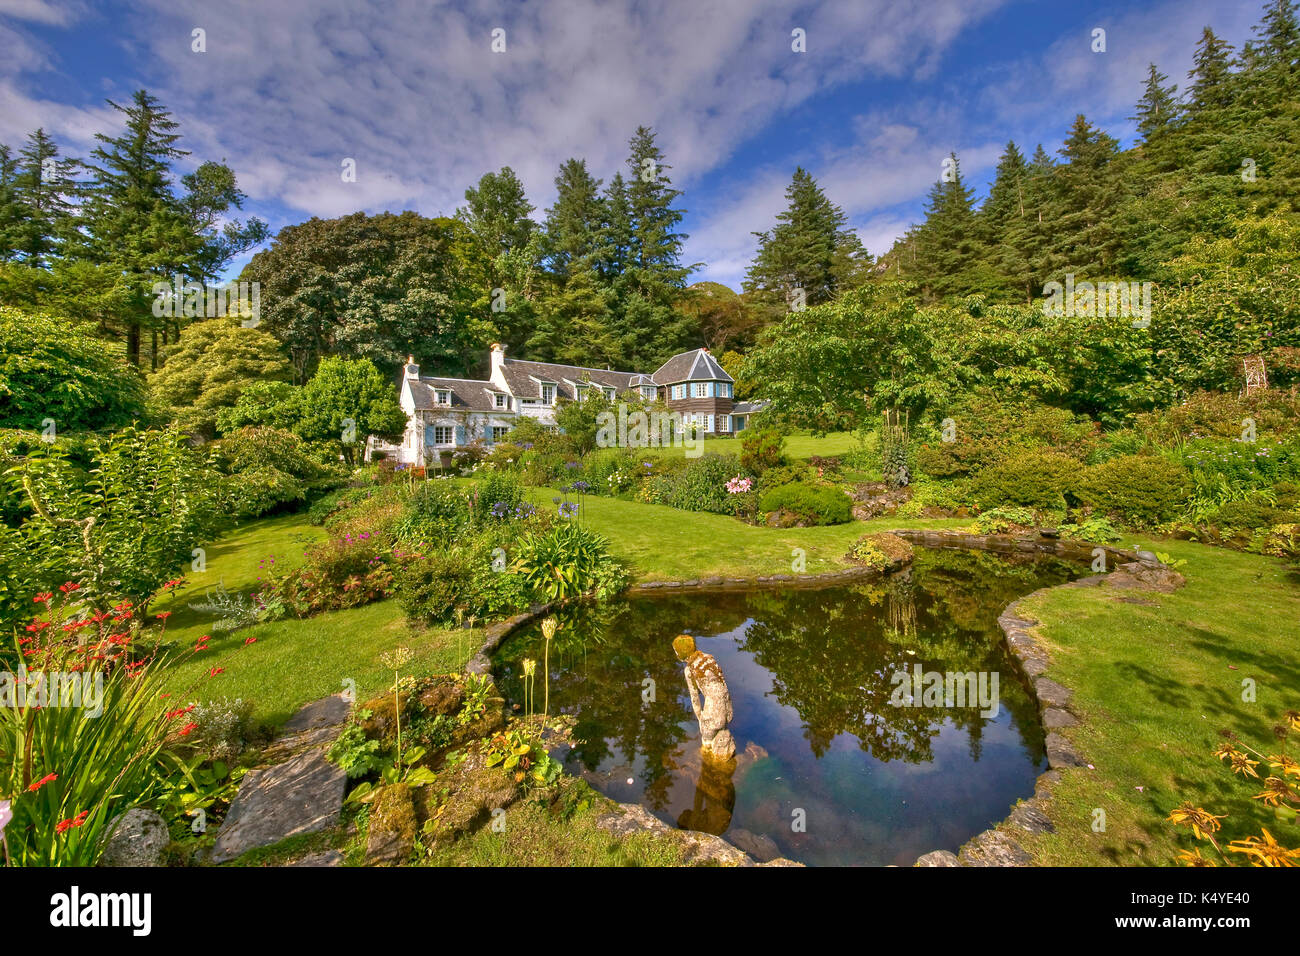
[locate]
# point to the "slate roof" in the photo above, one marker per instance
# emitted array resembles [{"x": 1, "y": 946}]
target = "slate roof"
[
  {"x": 467, "y": 395},
  {"x": 748, "y": 408},
  {"x": 693, "y": 366},
  {"x": 524, "y": 377}
]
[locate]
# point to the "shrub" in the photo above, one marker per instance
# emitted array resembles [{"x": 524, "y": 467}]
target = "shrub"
[
  {"x": 1139, "y": 491},
  {"x": 880, "y": 549},
  {"x": 338, "y": 573},
  {"x": 761, "y": 449},
  {"x": 437, "y": 513},
  {"x": 1002, "y": 520},
  {"x": 814, "y": 504},
  {"x": 431, "y": 587},
  {"x": 1091, "y": 528},
  {"x": 1032, "y": 477},
  {"x": 566, "y": 561},
  {"x": 221, "y": 727},
  {"x": 702, "y": 485},
  {"x": 493, "y": 490},
  {"x": 788, "y": 474}
]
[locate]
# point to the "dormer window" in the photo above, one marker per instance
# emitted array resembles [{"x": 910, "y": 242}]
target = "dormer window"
[
  {"x": 548, "y": 394},
  {"x": 609, "y": 394},
  {"x": 581, "y": 392},
  {"x": 443, "y": 396},
  {"x": 499, "y": 401},
  {"x": 648, "y": 391}
]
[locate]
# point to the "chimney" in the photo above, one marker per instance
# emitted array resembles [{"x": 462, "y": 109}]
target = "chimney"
[
  {"x": 412, "y": 370},
  {"x": 498, "y": 359}
]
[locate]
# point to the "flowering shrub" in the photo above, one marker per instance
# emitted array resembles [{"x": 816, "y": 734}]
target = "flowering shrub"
[
  {"x": 83, "y": 731},
  {"x": 338, "y": 573}
]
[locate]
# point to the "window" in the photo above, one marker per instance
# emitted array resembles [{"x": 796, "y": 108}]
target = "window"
[
  {"x": 724, "y": 423},
  {"x": 444, "y": 396},
  {"x": 444, "y": 434},
  {"x": 740, "y": 423},
  {"x": 724, "y": 390},
  {"x": 499, "y": 432},
  {"x": 649, "y": 391},
  {"x": 548, "y": 394},
  {"x": 679, "y": 391},
  {"x": 499, "y": 401},
  {"x": 701, "y": 389},
  {"x": 609, "y": 394}
]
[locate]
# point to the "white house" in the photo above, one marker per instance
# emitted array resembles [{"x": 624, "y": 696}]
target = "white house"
[{"x": 444, "y": 414}]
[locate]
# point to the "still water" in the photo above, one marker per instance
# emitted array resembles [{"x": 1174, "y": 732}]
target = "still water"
[{"x": 833, "y": 765}]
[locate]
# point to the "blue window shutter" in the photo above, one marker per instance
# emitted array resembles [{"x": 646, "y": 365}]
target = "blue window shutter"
[
  {"x": 460, "y": 434},
  {"x": 487, "y": 434},
  {"x": 428, "y": 436}
]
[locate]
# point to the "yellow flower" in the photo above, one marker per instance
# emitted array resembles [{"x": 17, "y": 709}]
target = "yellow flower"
[
  {"x": 530, "y": 667},
  {"x": 1275, "y": 792},
  {"x": 1201, "y": 821},
  {"x": 549, "y": 627},
  {"x": 1265, "y": 852},
  {"x": 1243, "y": 764},
  {"x": 1284, "y": 763},
  {"x": 1194, "y": 858}
]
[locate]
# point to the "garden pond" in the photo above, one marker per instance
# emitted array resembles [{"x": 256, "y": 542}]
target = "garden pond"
[{"x": 836, "y": 763}]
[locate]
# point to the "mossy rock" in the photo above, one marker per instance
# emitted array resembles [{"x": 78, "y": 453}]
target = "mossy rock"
[
  {"x": 475, "y": 792},
  {"x": 392, "y": 827},
  {"x": 443, "y": 694}
]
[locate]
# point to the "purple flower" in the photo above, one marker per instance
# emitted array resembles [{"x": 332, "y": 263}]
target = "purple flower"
[{"x": 568, "y": 509}]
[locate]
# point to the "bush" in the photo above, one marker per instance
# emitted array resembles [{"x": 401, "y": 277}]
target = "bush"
[
  {"x": 1137, "y": 490},
  {"x": 814, "y": 504},
  {"x": 437, "y": 513},
  {"x": 701, "y": 485},
  {"x": 1003, "y": 520},
  {"x": 430, "y": 588},
  {"x": 880, "y": 549},
  {"x": 338, "y": 573},
  {"x": 1033, "y": 477},
  {"x": 761, "y": 449},
  {"x": 1091, "y": 528},
  {"x": 788, "y": 474},
  {"x": 221, "y": 727},
  {"x": 566, "y": 561},
  {"x": 494, "y": 495}
]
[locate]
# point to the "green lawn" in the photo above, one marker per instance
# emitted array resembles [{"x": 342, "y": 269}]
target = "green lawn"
[
  {"x": 1157, "y": 684},
  {"x": 797, "y": 445},
  {"x": 291, "y": 661},
  {"x": 664, "y": 543}
]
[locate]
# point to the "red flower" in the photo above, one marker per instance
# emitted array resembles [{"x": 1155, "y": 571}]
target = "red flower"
[
  {"x": 63, "y": 826},
  {"x": 69, "y": 587},
  {"x": 42, "y": 782},
  {"x": 43, "y": 597},
  {"x": 215, "y": 671},
  {"x": 164, "y": 615},
  {"x": 38, "y": 626},
  {"x": 185, "y": 731},
  {"x": 251, "y": 640}
]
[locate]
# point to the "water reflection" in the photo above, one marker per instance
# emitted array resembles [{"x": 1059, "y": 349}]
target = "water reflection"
[{"x": 811, "y": 678}]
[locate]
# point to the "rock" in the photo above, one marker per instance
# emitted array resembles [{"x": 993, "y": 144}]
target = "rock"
[
  {"x": 138, "y": 837},
  {"x": 391, "y": 834},
  {"x": 760, "y": 847},
  {"x": 1031, "y": 819},
  {"x": 442, "y": 696},
  {"x": 1061, "y": 753},
  {"x": 476, "y": 790},
  {"x": 1147, "y": 577},
  {"x": 993, "y": 848},
  {"x": 1054, "y": 718},
  {"x": 631, "y": 819},
  {"x": 938, "y": 858},
  {"x": 1052, "y": 694},
  {"x": 314, "y": 725},
  {"x": 321, "y": 858},
  {"x": 302, "y": 795}
]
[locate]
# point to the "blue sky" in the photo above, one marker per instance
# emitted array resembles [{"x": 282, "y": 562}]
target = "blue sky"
[{"x": 412, "y": 91}]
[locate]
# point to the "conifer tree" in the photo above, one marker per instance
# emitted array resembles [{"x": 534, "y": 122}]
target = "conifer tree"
[{"x": 573, "y": 224}]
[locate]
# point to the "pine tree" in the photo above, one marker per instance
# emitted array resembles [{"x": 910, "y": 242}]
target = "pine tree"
[
  {"x": 1002, "y": 209},
  {"x": 1157, "y": 111},
  {"x": 656, "y": 249},
  {"x": 136, "y": 229},
  {"x": 43, "y": 186},
  {"x": 573, "y": 224},
  {"x": 497, "y": 212},
  {"x": 1210, "y": 73},
  {"x": 810, "y": 248},
  {"x": 1084, "y": 239},
  {"x": 11, "y": 212},
  {"x": 615, "y": 230},
  {"x": 946, "y": 241}
]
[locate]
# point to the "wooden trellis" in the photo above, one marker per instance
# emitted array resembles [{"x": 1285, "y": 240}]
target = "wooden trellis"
[{"x": 1255, "y": 374}]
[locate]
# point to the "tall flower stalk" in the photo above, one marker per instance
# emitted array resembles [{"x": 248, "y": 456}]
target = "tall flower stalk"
[{"x": 549, "y": 627}]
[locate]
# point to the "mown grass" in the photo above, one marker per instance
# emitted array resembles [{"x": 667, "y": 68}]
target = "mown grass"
[
  {"x": 665, "y": 543},
  {"x": 797, "y": 445},
  {"x": 290, "y": 662},
  {"x": 1157, "y": 684}
]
